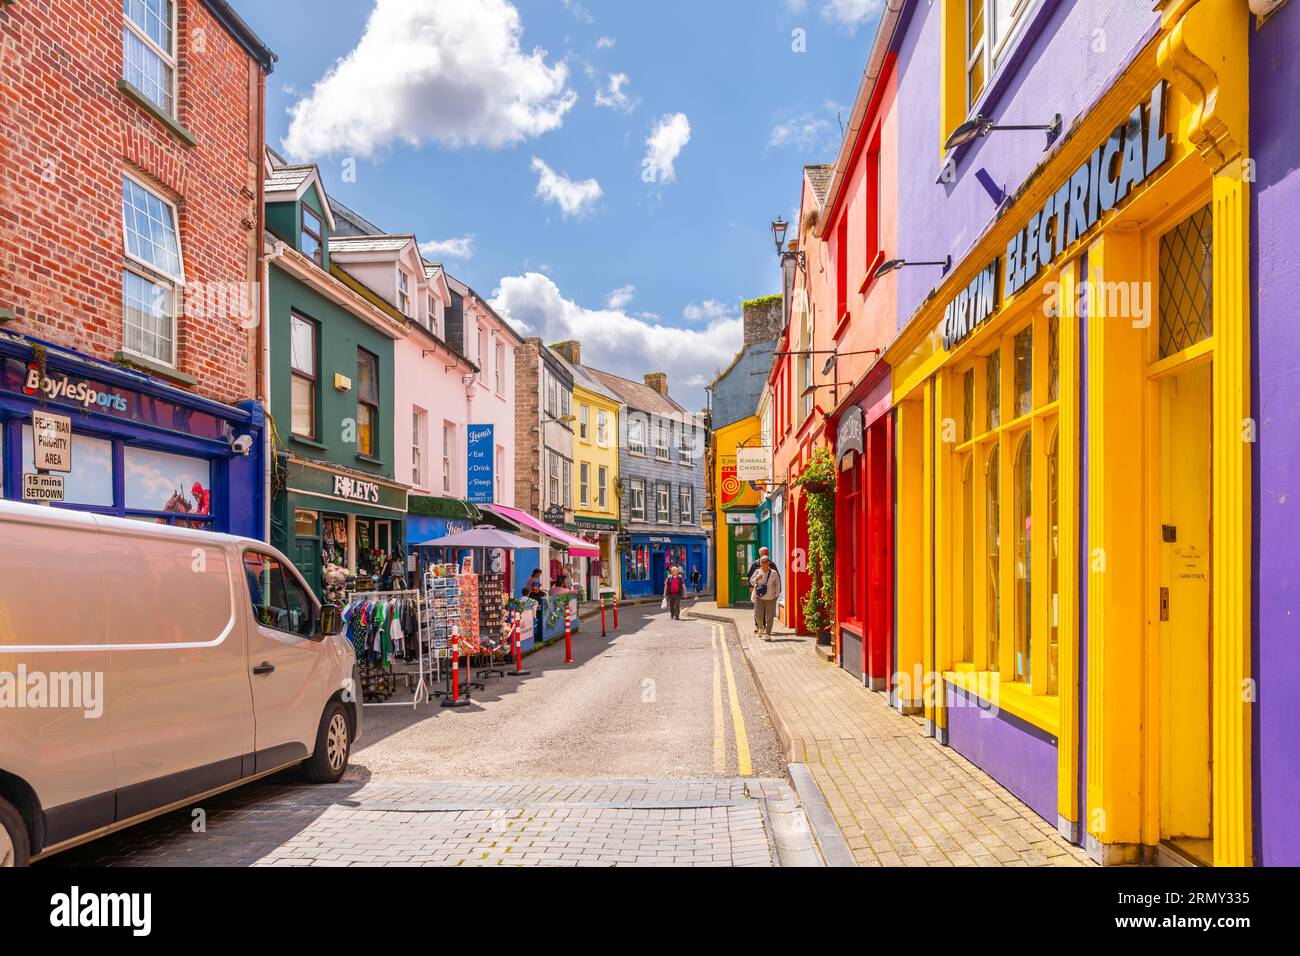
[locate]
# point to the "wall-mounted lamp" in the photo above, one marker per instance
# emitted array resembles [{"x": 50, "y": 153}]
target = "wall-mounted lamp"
[
  {"x": 980, "y": 125},
  {"x": 812, "y": 388},
  {"x": 892, "y": 265},
  {"x": 779, "y": 227},
  {"x": 835, "y": 358}
]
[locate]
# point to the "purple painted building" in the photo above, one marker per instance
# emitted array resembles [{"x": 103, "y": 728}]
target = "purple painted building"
[
  {"x": 1081, "y": 425},
  {"x": 1275, "y": 283}
]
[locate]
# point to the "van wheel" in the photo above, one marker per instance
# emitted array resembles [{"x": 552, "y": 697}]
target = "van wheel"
[
  {"x": 14, "y": 848},
  {"x": 333, "y": 746}
]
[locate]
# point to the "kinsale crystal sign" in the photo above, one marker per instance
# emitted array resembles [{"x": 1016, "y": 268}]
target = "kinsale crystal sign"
[{"x": 1131, "y": 154}]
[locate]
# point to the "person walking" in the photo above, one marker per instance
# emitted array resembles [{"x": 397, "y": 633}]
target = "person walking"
[
  {"x": 695, "y": 579},
  {"x": 765, "y": 590},
  {"x": 674, "y": 591},
  {"x": 762, "y": 553}
]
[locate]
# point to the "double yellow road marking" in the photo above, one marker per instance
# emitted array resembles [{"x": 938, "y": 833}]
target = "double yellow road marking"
[{"x": 744, "y": 765}]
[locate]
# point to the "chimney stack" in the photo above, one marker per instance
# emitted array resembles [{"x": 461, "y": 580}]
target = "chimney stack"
[
  {"x": 570, "y": 351},
  {"x": 764, "y": 320},
  {"x": 658, "y": 381}
]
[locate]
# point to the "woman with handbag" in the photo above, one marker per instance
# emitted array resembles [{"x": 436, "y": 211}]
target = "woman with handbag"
[
  {"x": 674, "y": 591},
  {"x": 765, "y": 590}
]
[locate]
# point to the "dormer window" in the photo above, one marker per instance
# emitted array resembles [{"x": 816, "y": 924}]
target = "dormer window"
[
  {"x": 313, "y": 236},
  {"x": 432, "y": 322},
  {"x": 404, "y": 292}
]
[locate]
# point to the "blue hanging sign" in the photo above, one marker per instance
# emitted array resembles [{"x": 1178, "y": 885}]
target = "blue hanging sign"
[{"x": 480, "y": 464}]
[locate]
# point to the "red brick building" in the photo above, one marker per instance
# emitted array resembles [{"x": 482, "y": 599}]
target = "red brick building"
[{"x": 131, "y": 145}]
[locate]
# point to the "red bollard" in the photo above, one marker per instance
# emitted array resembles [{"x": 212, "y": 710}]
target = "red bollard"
[
  {"x": 454, "y": 700},
  {"x": 616, "y": 614},
  {"x": 519, "y": 654},
  {"x": 568, "y": 635},
  {"x": 602, "y": 617}
]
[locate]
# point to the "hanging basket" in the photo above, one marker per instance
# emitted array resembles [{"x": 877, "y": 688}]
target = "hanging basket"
[{"x": 819, "y": 487}]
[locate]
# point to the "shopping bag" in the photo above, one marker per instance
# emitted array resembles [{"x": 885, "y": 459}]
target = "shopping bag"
[{"x": 663, "y": 605}]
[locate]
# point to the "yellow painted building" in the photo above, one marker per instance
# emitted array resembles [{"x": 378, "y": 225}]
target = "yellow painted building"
[
  {"x": 595, "y": 477},
  {"x": 736, "y": 526}
]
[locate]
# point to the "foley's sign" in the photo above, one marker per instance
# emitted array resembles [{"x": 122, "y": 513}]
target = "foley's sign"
[
  {"x": 51, "y": 442},
  {"x": 1134, "y": 150},
  {"x": 480, "y": 464},
  {"x": 354, "y": 489}
]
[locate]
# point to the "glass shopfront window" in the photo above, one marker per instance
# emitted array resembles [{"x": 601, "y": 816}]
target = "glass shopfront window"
[
  {"x": 90, "y": 483},
  {"x": 1006, "y": 511}
]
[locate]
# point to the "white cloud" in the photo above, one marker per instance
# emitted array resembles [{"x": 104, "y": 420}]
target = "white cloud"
[
  {"x": 579, "y": 12},
  {"x": 613, "y": 96},
  {"x": 462, "y": 248},
  {"x": 669, "y": 137},
  {"x": 621, "y": 296},
  {"x": 620, "y": 343},
  {"x": 804, "y": 131},
  {"x": 709, "y": 310},
  {"x": 605, "y": 43},
  {"x": 850, "y": 13},
  {"x": 452, "y": 73},
  {"x": 573, "y": 197}
]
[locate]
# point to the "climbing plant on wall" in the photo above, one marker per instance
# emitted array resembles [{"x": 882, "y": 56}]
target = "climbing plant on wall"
[{"x": 818, "y": 483}]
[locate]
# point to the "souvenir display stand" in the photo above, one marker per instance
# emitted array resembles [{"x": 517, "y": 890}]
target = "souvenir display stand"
[{"x": 451, "y": 602}]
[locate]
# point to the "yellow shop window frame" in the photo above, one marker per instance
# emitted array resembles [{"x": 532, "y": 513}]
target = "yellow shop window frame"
[{"x": 1034, "y": 700}]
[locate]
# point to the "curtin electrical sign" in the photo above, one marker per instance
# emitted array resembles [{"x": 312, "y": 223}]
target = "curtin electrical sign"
[{"x": 1131, "y": 154}]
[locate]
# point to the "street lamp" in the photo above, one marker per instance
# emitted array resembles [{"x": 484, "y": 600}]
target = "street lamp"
[
  {"x": 892, "y": 265},
  {"x": 980, "y": 125},
  {"x": 779, "y": 228}
]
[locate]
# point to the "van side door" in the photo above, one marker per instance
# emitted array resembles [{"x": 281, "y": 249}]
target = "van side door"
[{"x": 288, "y": 665}]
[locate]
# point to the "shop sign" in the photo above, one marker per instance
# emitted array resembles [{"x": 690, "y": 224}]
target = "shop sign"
[
  {"x": 354, "y": 489},
  {"x": 753, "y": 464},
  {"x": 554, "y": 516},
  {"x": 737, "y": 519},
  {"x": 51, "y": 442},
  {"x": 480, "y": 464},
  {"x": 848, "y": 437},
  {"x": 87, "y": 395},
  {"x": 594, "y": 524},
  {"x": 1133, "y": 152},
  {"x": 706, "y": 520},
  {"x": 43, "y": 488}
]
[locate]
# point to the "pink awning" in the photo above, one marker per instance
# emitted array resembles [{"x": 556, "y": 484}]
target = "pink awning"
[{"x": 575, "y": 546}]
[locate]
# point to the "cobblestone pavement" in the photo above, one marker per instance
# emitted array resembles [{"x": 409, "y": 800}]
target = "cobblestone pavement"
[
  {"x": 899, "y": 797},
  {"x": 654, "y": 748},
  {"x": 525, "y": 823}
]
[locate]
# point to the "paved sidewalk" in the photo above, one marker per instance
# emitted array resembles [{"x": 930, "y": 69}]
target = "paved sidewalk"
[
  {"x": 507, "y": 823},
  {"x": 900, "y": 798}
]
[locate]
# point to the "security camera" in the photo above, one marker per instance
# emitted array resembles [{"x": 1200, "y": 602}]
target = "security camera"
[{"x": 242, "y": 445}]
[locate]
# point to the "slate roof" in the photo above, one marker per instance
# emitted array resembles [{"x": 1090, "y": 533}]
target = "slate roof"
[
  {"x": 583, "y": 377},
  {"x": 637, "y": 395},
  {"x": 289, "y": 178},
  {"x": 369, "y": 243},
  {"x": 819, "y": 177}
]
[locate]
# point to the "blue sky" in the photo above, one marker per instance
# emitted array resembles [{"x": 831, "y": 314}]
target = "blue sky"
[{"x": 529, "y": 169}]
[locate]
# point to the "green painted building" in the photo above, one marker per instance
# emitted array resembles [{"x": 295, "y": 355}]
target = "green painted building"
[{"x": 335, "y": 502}]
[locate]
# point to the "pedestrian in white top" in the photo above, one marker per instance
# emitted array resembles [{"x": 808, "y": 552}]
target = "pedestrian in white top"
[{"x": 765, "y": 590}]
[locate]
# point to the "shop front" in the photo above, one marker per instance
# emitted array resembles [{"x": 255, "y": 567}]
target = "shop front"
[
  {"x": 136, "y": 446},
  {"x": 742, "y": 468},
  {"x": 1072, "y": 412},
  {"x": 596, "y": 574},
  {"x": 864, "y": 509},
  {"x": 648, "y": 557},
  {"x": 340, "y": 528}
]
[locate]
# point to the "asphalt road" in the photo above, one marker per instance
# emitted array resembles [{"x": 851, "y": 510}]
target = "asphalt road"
[{"x": 640, "y": 703}]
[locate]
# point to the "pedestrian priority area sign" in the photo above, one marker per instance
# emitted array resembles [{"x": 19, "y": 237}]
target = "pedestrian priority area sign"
[
  {"x": 51, "y": 442},
  {"x": 43, "y": 488}
]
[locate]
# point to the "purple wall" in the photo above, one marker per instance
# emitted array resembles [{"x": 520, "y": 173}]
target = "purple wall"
[
  {"x": 1275, "y": 146},
  {"x": 1054, "y": 66},
  {"x": 1020, "y": 757}
]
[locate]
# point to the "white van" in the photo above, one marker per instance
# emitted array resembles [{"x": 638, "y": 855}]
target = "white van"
[{"x": 143, "y": 667}]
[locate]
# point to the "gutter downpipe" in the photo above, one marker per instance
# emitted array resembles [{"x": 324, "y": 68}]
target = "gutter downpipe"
[
  {"x": 268, "y": 443},
  {"x": 866, "y": 90}
]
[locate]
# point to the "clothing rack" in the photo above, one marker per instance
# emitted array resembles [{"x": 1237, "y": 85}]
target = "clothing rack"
[{"x": 406, "y": 595}]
